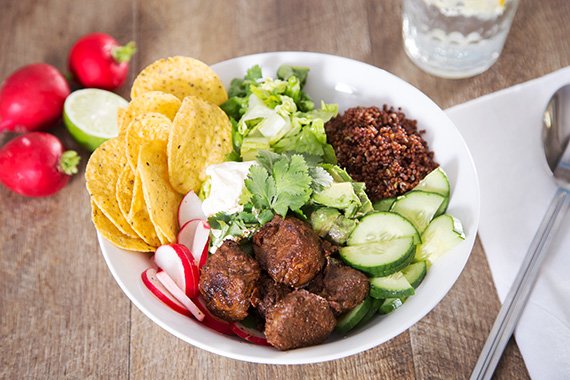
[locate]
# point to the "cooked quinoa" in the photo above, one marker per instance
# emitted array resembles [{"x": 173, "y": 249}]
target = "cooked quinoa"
[{"x": 381, "y": 148}]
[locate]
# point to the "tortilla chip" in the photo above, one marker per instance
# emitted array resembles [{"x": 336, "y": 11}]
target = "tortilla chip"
[
  {"x": 161, "y": 199},
  {"x": 148, "y": 127},
  {"x": 124, "y": 191},
  {"x": 138, "y": 215},
  {"x": 201, "y": 135},
  {"x": 122, "y": 120},
  {"x": 108, "y": 230},
  {"x": 163, "y": 239},
  {"x": 181, "y": 77},
  {"x": 154, "y": 101},
  {"x": 102, "y": 172}
]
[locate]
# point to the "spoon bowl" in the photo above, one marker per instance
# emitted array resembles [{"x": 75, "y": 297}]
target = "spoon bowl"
[{"x": 556, "y": 135}]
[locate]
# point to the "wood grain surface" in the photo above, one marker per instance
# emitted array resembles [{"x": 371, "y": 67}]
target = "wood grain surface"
[{"x": 61, "y": 313}]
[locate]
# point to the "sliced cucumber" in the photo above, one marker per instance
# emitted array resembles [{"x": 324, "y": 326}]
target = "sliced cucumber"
[
  {"x": 392, "y": 286},
  {"x": 415, "y": 273},
  {"x": 350, "y": 319},
  {"x": 374, "y": 305},
  {"x": 419, "y": 207},
  {"x": 382, "y": 226},
  {"x": 384, "y": 204},
  {"x": 442, "y": 234},
  {"x": 390, "y": 304},
  {"x": 380, "y": 258},
  {"x": 436, "y": 182}
]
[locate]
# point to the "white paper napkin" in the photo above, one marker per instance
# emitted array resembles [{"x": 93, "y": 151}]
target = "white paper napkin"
[{"x": 503, "y": 131}]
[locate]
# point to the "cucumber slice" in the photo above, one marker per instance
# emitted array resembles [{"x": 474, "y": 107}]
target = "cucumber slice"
[
  {"x": 419, "y": 207},
  {"x": 442, "y": 234},
  {"x": 384, "y": 204},
  {"x": 415, "y": 273},
  {"x": 374, "y": 305},
  {"x": 436, "y": 182},
  {"x": 382, "y": 226},
  {"x": 351, "y": 318},
  {"x": 392, "y": 286},
  {"x": 380, "y": 258},
  {"x": 390, "y": 304}
]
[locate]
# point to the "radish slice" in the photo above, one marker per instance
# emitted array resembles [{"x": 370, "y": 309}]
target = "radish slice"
[
  {"x": 192, "y": 288},
  {"x": 190, "y": 208},
  {"x": 155, "y": 286},
  {"x": 171, "y": 286},
  {"x": 212, "y": 321},
  {"x": 174, "y": 259},
  {"x": 249, "y": 334},
  {"x": 195, "y": 235}
]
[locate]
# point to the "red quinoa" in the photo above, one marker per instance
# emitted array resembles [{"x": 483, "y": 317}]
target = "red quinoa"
[{"x": 381, "y": 148}]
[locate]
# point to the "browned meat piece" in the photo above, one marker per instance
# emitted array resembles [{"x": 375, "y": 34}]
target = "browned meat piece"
[
  {"x": 300, "y": 319},
  {"x": 342, "y": 286},
  {"x": 289, "y": 250},
  {"x": 329, "y": 248},
  {"x": 227, "y": 281},
  {"x": 268, "y": 293}
]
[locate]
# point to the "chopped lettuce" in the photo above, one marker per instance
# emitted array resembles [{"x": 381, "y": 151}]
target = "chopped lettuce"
[{"x": 280, "y": 112}]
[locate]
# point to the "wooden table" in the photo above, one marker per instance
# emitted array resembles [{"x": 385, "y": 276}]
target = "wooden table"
[{"x": 61, "y": 313}]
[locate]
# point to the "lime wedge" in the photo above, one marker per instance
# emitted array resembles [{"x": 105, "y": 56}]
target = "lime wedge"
[{"x": 90, "y": 116}]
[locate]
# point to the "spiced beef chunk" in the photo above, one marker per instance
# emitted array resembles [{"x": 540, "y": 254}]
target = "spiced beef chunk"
[
  {"x": 228, "y": 280},
  {"x": 342, "y": 286},
  {"x": 289, "y": 250},
  {"x": 268, "y": 293},
  {"x": 300, "y": 319}
]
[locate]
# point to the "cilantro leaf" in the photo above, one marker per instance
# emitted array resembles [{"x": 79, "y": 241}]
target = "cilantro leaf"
[{"x": 261, "y": 187}]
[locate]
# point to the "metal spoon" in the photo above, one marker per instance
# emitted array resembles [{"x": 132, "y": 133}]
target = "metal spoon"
[{"x": 556, "y": 136}]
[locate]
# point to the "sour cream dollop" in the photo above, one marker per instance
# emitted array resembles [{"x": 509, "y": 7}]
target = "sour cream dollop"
[{"x": 226, "y": 185}]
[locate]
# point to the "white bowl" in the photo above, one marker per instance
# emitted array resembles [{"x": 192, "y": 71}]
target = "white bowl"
[{"x": 348, "y": 83}]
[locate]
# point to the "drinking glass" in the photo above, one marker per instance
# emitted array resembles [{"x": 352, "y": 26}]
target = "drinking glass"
[{"x": 456, "y": 38}]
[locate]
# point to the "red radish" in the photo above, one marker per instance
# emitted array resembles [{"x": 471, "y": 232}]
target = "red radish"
[
  {"x": 249, "y": 334},
  {"x": 212, "y": 321},
  {"x": 175, "y": 260},
  {"x": 171, "y": 286},
  {"x": 195, "y": 235},
  {"x": 97, "y": 60},
  {"x": 190, "y": 208},
  {"x": 32, "y": 98},
  {"x": 150, "y": 280},
  {"x": 35, "y": 164}
]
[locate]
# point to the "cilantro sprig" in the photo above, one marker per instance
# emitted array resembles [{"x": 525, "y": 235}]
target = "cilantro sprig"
[{"x": 279, "y": 183}]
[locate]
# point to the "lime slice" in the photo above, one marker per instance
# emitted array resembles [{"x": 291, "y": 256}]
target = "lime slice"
[{"x": 90, "y": 116}]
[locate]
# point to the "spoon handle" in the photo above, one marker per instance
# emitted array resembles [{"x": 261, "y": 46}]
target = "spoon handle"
[{"x": 520, "y": 290}]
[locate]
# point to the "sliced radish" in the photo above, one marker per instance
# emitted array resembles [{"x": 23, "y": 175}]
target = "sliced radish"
[
  {"x": 150, "y": 280},
  {"x": 212, "y": 321},
  {"x": 190, "y": 208},
  {"x": 249, "y": 334},
  {"x": 175, "y": 260},
  {"x": 195, "y": 235},
  {"x": 171, "y": 286}
]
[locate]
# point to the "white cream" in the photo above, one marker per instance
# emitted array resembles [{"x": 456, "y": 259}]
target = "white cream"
[{"x": 226, "y": 185}]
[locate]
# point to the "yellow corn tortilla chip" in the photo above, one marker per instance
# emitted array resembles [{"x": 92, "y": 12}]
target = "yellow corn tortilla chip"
[
  {"x": 153, "y": 101},
  {"x": 181, "y": 77},
  {"x": 122, "y": 120},
  {"x": 102, "y": 172},
  {"x": 148, "y": 127},
  {"x": 201, "y": 135},
  {"x": 108, "y": 230},
  {"x": 139, "y": 217},
  {"x": 124, "y": 190},
  {"x": 161, "y": 199},
  {"x": 163, "y": 239}
]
